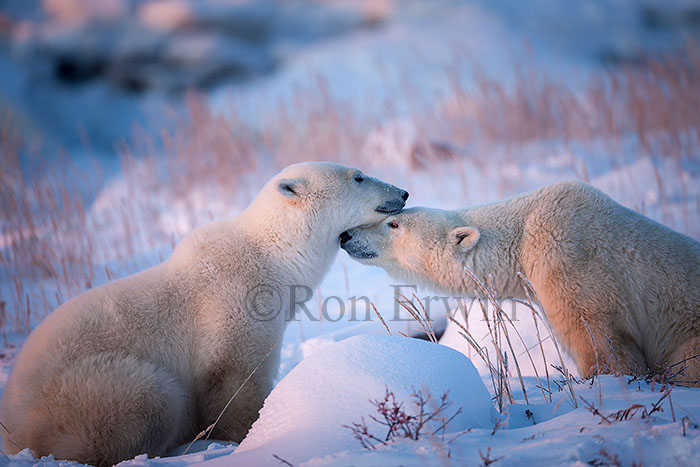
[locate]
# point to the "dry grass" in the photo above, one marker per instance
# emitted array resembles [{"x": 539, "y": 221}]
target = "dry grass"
[
  {"x": 419, "y": 314},
  {"x": 486, "y": 459},
  {"x": 633, "y": 410},
  {"x": 56, "y": 240},
  {"x": 45, "y": 233},
  {"x": 656, "y": 104},
  {"x": 502, "y": 355},
  {"x": 427, "y": 418}
]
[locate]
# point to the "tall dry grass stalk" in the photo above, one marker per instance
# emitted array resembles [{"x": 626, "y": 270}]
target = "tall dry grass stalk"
[
  {"x": 530, "y": 292},
  {"x": 419, "y": 314}
]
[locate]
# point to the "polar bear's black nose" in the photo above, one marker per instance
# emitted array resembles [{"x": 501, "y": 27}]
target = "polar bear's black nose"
[
  {"x": 345, "y": 237},
  {"x": 404, "y": 195}
]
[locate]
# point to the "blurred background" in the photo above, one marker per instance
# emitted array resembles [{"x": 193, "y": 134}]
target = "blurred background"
[
  {"x": 80, "y": 75},
  {"x": 126, "y": 123}
]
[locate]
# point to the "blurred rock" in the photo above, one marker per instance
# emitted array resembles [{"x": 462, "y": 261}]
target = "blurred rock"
[
  {"x": 171, "y": 45},
  {"x": 656, "y": 17}
]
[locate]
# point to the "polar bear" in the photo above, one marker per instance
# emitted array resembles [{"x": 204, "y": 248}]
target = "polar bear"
[
  {"x": 143, "y": 364},
  {"x": 635, "y": 283}
]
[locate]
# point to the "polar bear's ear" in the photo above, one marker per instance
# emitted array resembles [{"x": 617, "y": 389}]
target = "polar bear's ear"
[
  {"x": 290, "y": 187},
  {"x": 465, "y": 237}
]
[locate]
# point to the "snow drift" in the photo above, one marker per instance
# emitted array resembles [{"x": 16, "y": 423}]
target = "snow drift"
[{"x": 304, "y": 415}]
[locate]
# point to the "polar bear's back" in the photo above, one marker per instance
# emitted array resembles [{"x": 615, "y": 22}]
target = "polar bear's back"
[{"x": 581, "y": 221}]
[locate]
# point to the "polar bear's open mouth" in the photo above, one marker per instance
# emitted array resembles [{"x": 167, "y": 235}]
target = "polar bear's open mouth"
[
  {"x": 391, "y": 207},
  {"x": 387, "y": 211}
]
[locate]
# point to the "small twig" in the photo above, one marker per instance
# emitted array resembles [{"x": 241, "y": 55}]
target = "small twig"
[
  {"x": 486, "y": 459},
  {"x": 665, "y": 369},
  {"x": 498, "y": 423},
  {"x": 282, "y": 460},
  {"x": 656, "y": 407},
  {"x": 670, "y": 403},
  {"x": 597, "y": 361},
  {"x": 592, "y": 409},
  {"x": 461, "y": 433},
  {"x": 8, "y": 436},
  {"x": 380, "y": 317}
]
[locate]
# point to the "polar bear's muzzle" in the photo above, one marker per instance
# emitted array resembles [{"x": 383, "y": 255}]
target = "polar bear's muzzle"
[
  {"x": 395, "y": 205},
  {"x": 356, "y": 246}
]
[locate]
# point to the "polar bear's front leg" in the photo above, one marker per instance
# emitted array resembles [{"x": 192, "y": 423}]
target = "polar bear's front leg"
[
  {"x": 587, "y": 329},
  {"x": 236, "y": 419}
]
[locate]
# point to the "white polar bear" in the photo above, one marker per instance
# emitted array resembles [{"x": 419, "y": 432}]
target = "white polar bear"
[
  {"x": 142, "y": 364},
  {"x": 635, "y": 282}
]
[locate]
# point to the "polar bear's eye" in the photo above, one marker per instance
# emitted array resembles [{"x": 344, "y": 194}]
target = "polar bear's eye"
[
  {"x": 393, "y": 224},
  {"x": 359, "y": 178}
]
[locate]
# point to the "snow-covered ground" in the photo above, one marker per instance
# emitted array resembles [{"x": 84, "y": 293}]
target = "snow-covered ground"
[
  {"x": 258, "y": 54},
  {"x": 306, "y": 419}
]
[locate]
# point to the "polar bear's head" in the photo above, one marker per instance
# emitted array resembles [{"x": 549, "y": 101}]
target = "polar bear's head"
[
  {"x": 334, "y": 197},
  {"x": 426, "y": 246}
]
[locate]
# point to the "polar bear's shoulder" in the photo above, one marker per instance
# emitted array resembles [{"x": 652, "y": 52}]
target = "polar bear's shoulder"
[
  {"x": 573, "y": 201},
  {"x": 572, "y": 190}
]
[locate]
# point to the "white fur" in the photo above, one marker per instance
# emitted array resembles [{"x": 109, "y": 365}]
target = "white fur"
[
  {"x": 144, "y": 363},
  {"x": 635, "y": 282}
]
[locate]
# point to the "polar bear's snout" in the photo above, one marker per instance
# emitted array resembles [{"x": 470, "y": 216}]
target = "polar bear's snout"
[
  {"x": 394, "y": 205},
  {"x": 357, "y": 245}
]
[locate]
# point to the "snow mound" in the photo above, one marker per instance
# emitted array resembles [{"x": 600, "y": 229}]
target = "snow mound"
[{"x": 304, "y": 415}]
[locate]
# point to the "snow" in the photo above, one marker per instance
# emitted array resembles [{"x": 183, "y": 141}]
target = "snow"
[
  {"x": 557, "y": 434},
  {"x": 304, "y": 415},
  {"x": 199, "y": 453}
]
